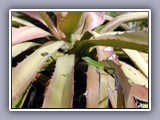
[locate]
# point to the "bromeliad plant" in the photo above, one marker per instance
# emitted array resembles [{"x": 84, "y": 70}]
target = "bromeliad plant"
[{"x": 70, "y": 60}]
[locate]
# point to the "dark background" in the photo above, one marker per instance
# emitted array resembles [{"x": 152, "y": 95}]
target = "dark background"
[{"x": 81, "y": 4}]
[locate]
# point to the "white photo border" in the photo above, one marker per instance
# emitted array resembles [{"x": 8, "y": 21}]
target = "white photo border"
[{"x": 69, "y": 10}]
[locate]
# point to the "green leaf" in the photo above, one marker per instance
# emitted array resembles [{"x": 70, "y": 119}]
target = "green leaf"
[
  {"x": 24, "y": 72},
  {"x": 19, "y": 48},
  {"x": 114, "y": 23},
  {"x": 59, "y": 93},
  {"x": 70, "y": 23},
  {"x": 86, "y": 36},
  {"x": 130, "y": 40}
]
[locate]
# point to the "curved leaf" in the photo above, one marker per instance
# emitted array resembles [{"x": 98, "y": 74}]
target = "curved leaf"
[
  {"x": 59, "y": 93},
  {"x": 109, "y": 18},
  {"x": 114, "y": 23},
  {"x": 138, "y": 60},
  {"x": 130, "y": 91},
  {"x": 36, "y": 16},
  {"x": 130, "y": 40},
  {"x": 50, "y": 24},
  {"x": 60, "y": 16},
  {"x": 25, "y": 71},
  {"x": 44, "y": 19},
  {"x": 122, "y": 79},
  {"x": 90, "y": 20},
  {"x": 19, "y": 48},
  {"x": 27, "y": 33},
  {"x": 140, "y": 92},
  {"x": 134, "y": 75},
  {"x": 20, "y": 21},
  {"x": 70, "y": 23}
]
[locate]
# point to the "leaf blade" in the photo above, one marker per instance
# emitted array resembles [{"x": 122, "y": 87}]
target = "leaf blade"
[
  {"x": 35, "y": 16},
  {"x": 50, "y": 24},
  {"x": 114, "y": 23},
  {"x": 27, "y": 33},
  {"x": 92, "y": 88},
  {"x": 25, "y": 71},
  {"x": 62, "y": 81},
  {"x": 18, "y": 48},
  {"x": 125, "y": 40},
  {"x": 21, "y": 21},
  {"x": 134, "y": 75},
  {"x": 70, "y": 23},
  {"x": 136, "y": 57}
]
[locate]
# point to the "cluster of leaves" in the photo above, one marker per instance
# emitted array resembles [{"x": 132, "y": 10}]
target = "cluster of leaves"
[{"x": 47, "y": 66}]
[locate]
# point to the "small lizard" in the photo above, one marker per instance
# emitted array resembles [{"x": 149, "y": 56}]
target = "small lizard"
[
  {"x": 128, "y": 90},
  {"x": 100, "y": 65}
]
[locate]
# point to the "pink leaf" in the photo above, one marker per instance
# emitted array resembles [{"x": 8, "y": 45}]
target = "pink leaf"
[
  {"x": 92, "y": 88},
  {"x": 36, "y": 16},
  {"x": 140, "y": 92},
  {"x": 93, "y": 19},
  {"x": 27, "y": 33}
]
